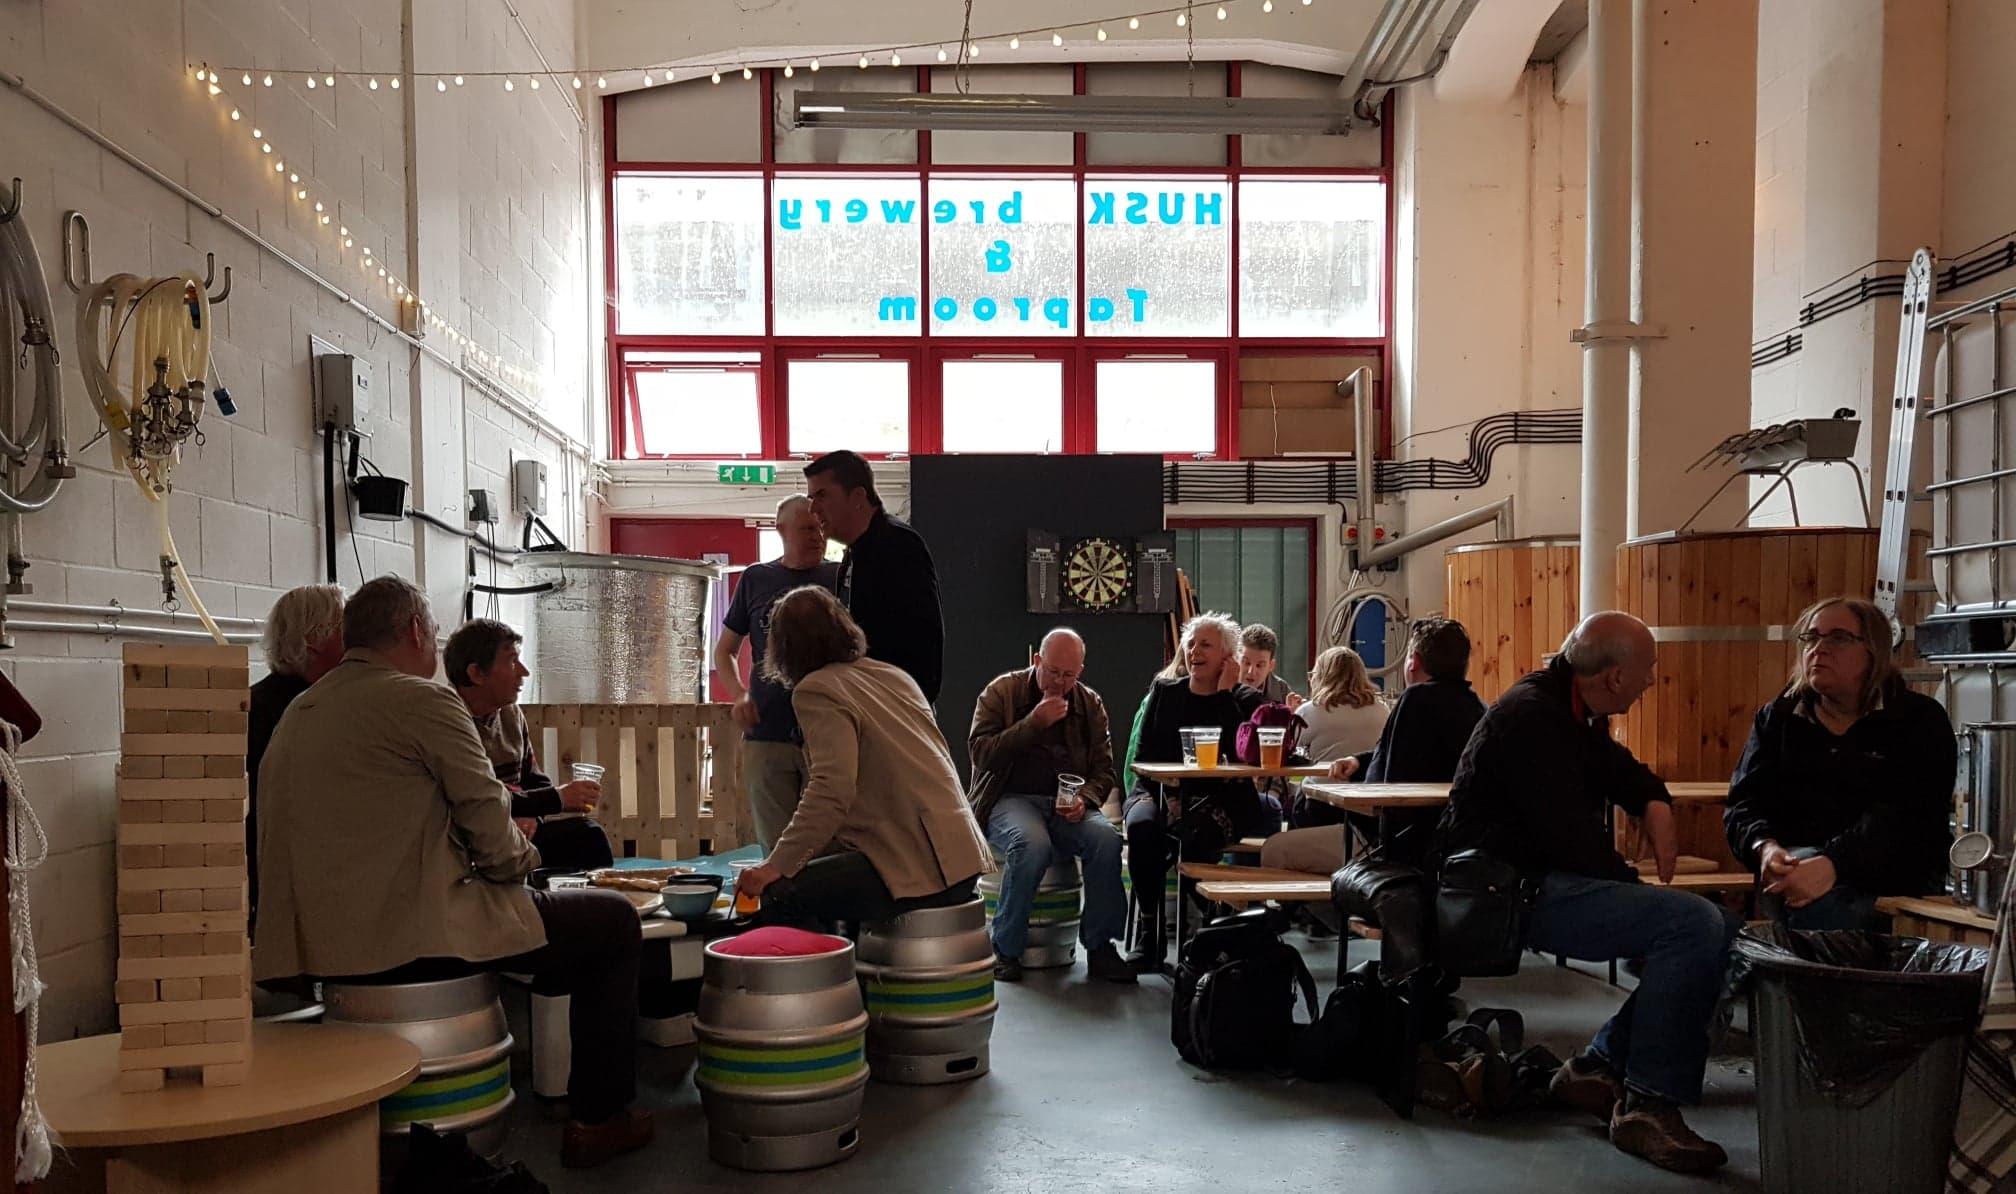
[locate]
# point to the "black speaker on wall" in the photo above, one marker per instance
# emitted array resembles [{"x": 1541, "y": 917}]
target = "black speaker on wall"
[{"x": 976, "y": 512}]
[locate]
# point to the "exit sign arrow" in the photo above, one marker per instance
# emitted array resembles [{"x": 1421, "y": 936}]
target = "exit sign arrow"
[{"x": 747, "y": 474}]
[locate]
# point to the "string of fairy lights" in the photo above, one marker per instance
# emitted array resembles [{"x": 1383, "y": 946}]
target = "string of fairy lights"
[{"x": 964, "y": 49}]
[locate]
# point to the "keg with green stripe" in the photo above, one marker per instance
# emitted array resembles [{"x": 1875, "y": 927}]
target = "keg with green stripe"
[
  {"x": 928, "y": 980},
  {"x": 464, "y": 1083},
  {"x": 782, "y": 1057},
  {"x": 1053, "y": 914}
]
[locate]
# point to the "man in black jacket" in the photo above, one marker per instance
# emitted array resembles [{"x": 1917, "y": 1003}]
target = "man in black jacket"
[
  {"x": 887, "y": 580},
  {"x": 1530, "y": 790}
]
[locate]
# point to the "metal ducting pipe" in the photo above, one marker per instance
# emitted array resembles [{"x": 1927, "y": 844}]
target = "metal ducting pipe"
[
  {"x": 1384, "y": 27},
  {"x": 1499, "y": 512},
  {"x": 1364, "y": 450},
  {"x": 1375, "y": 90}
]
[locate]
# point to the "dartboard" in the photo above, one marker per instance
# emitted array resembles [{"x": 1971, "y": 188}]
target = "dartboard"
[{"x": 1097, "y": 573}]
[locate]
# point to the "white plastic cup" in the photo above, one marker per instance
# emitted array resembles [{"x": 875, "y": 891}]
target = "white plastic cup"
[
  {"x": 1068, "y": 787},
  {"x": 592, "y": 772},
  {"x": 1200, "y": 749}
]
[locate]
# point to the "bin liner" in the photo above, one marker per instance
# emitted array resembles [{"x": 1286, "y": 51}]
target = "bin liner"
[{"x": 1864, "y": 1005}]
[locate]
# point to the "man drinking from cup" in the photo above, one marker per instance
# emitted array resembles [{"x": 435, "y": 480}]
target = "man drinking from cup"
[
  {"x": 483, "y": 663},
  {"x": 1042, "y": 765}
]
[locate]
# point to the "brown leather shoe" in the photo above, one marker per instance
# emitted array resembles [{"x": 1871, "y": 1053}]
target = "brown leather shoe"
[
  {"x": 584, "y": 1146},
  {"x": 1588, "y": 1084},
  {"x": 1652, "y": 1129}
]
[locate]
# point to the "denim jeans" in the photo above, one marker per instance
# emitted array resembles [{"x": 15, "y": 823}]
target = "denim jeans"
[
  {"x": 1028, "y": 833},
  {"x": 1659, "y": 1039},
  {"x": 1840, "y": 908}
]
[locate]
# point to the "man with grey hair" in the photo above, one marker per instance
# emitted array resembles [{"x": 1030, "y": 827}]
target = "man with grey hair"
[
  {"x": 1031, "y": 726},
  {"x": 1530, "y": 790},
  {"x": 773, "y": 759}
]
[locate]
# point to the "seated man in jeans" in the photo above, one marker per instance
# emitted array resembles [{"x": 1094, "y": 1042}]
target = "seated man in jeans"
[
  {"x": 1530, "y": 790},
  {"x": 387, "y": 852},
  {"x": 1030, "y": 726}
]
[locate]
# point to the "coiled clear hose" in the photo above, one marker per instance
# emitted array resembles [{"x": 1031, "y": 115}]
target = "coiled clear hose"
[{"x": 23, "y": 289}]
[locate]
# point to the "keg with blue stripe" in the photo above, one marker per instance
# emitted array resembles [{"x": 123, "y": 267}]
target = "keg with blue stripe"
[
  {"x": 782, "y": 1058},
  {"x": 927, "y": 978},
  {"x": 1053, "y": 914},
  {"x": 464, "y": 1084}
]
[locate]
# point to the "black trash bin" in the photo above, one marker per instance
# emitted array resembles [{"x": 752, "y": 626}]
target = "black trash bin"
[{"x": 1861, "y": 1044}]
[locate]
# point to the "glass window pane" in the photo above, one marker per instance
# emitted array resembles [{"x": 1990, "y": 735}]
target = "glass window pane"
[
  {"x": 871, "y": 146},
  {"x": 1155, "y": 149},
  {"x": 1311, "y": 258},
  {"x": 1004, "y": 406},
  {"x": 1157, "y": 257},
  {"x": 967, "y": 148},
  {"x": 689, "y": 252},
  {"x": 863, "y": 405},
  {"x": 690, "y": 121},
  {"x": 846, "y": 253},
  {"x": 697, "y": 412},
  {"x": 1361, "y": 147},
  {"x": 1009, "y": 267},
  {"x": 1167, "y": 407}
]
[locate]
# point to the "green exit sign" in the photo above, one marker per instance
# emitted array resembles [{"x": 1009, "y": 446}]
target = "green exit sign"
[{"x": 748, "y": 474}]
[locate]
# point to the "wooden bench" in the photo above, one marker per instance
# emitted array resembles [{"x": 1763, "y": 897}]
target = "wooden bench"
[
  {"x": 1237, "y": 893},
  {"x": 1937, "y": 919},
  {"x": 1706, "y": 882}
]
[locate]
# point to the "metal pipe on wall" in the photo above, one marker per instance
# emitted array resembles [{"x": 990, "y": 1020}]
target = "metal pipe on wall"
[
  {"x": 1499, "y": 512},
  {"x": 1364, "y": 453},
  {"x": 107, "y": 631},
  {"x": 120, "y": 613},
  {"x": 1606, "y": 338}
]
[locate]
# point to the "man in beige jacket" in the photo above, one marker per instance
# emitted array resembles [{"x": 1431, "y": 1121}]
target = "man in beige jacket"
[{"x": 386, "y": 850}]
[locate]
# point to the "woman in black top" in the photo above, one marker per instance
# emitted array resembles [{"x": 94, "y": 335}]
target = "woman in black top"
[
  {"x": 1845, "y": 790},
  {"x": 1213, "y": 813}
]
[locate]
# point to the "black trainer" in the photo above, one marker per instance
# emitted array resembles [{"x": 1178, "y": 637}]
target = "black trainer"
[
  {"x": 1007, "y": 970},
  {"x": 1106, "y": 963}
]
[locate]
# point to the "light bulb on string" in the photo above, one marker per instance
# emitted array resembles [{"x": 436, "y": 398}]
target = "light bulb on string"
[
  {"x": 259, "y": 135},
  {"x": 813, "y": 66},
  {"x": 864, "y": 66},
  {"x": 1014, "y": 43},
  {"x": 788, "y": 72},
  {"x": 602, "y": 82},
  {"x": 716, "y": 77},
  {"x": 325, "y": 221},
  {"x": 293, "y": 178},
  {"x": 458, "y": 80},
  {"x": 1221, "y": 12},
  {"x": 1266, "y": 5},
  {"x": 268, "y": 80},
  {"x": 577, "y": 82},
  {"x": 343, "y": 231},
  {"x": 236, "y": 115},
  {"x": 648, "y": 81},
  {"x": 395, "y": 84},
  {"x": 895, "y": 60},
  {"x": 216, "y": 90},
  {"x": 328, "y": 80},
  {"x": 535, "y": 82},
  {"x": 348, "y": 241},
  {"x": 302, "y": 193},
  {"x": 373, "y": 84},
  {"x": 318, "y": 207},
  {"x": 279, "y": 167},
  {"x": 1133, "y": 22},
  {"x": 747, "y": 73},
  {"x": 311, "y": 82},
  {"x": 1056, "y": 39},
  {"x": 973, "y": 49},
  {"x": 265, "y": 147},
  {"x": 247, "y": 80},
  {"x": 1182, "y": 19},
  {"x": 941, "y": 54},
  {"x": 510, "y": 86},
  {"x": 1102, "y": 33},
  {"x": 440, "y": 84}
]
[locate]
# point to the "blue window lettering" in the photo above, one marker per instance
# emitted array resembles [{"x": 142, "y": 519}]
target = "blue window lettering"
[
  {"x": 790, "y": 214},
  {"x": 898, "y": 211},
  {"x": 1021, "y": 308},
  {"x": 1058, "y": 311},
  {"x": 1011, "y": 209},
  {"x": 1099, "y": 310},
  {"x": 985, "y": 309},
  {"x": 1137, "y": 207},
  {"x": 942, "y": 212},
  {"x": 900, "y": 310},
  {"x": 857, "y": 211},
  {"x": 1138, "y": 299},
  {"x": 1209, "y": 203},
  {"x": 1169, "y": 205},
  {"x": 825, "y": 207},
  {"x": 945, "y": 310},
  {"x": 1102, "y": 207}
]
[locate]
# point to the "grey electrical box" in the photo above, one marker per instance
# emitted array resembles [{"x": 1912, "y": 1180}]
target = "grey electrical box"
[
  {"x": 343, "y": 392},
  {"x": 528, "y": 487}
]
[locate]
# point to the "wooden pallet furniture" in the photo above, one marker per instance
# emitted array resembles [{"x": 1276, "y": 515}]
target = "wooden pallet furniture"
[
  {"x": 183, "y": 983},
  {"x": 672, "y": 786}
]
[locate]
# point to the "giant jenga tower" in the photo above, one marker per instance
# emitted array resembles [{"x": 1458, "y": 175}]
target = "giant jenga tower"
[{"x": 185, "y": 960}]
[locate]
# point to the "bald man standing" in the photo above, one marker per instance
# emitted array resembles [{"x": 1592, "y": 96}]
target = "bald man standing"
[
  {"x": 1029, "y": 727},
  {"x": 1530, "y": 790}
]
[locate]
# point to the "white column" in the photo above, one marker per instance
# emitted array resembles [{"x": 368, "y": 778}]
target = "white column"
[{"x": 1606, "y": 348}]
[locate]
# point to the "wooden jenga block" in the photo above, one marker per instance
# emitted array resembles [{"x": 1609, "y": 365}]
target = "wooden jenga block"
[
  {"x": 182, "y": 744},
  {"x": 222, "y": 986},
  {"x": 137, "y": 812},
  {"x": 179, "y": 854},
  {"x": 199, "y": 966},
  {"x": 142, "y": 767},
  {"x": 171, "y": 878},
  {"x": 184, "y": 922},
  {"x": 146, "y": 721},
  {"x": 207, "y": 699},
  {"x": 180, "y": 1055},
  {"x": 233, "y": 1074},
  {"x": 228, "y": 721},
  {"x": 202, "y": 832},
  {"x": 184, "y": 787},
  {"x": 182, "y": 899},
  {"x": 224, "y": 766},
  {"x": 223, "y": 899},
  {"x": 224, "y": 854},
  {"x": 181, "y": 721},
  {"x": 188, "y": 1032},
  {"x": 183, "y": 676},
  {"x": 145, "y": 945},
  {"x": 142, "y": 1081},
  {"x": 224, "y": 810},
  {"x": 217, "y": 1032},
  {"x": 135, "y": 990},
  {"x": 143, "y": 1036},
  {"x": 223, "y": 943},
  {"x": 182, "y": 1012},
  {"x": 133, "y": 902},
  {"x": 144, "y": 676},
  {"x": 230, "y": 677},
  {"x": 181, "y": 812},
  {"x": 181, "y": 990},
  {"x": 176, "y": 945},
  {"x": 139, "y": 857},
  {"x": 182, "y": 767}
]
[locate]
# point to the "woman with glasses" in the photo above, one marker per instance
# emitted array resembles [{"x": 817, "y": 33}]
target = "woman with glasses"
[{"x": 1845, "y": 790}]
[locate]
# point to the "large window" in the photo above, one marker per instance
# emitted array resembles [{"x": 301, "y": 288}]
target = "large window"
[
  {"x": 1259, "y": 572},
  {"x": 982, "y": 292}
]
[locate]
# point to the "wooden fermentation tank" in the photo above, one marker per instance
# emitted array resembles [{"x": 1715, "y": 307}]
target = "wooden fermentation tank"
[{"x": 1517, "y": 599}]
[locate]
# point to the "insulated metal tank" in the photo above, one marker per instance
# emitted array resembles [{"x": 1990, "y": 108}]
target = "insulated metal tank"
[
  {"x": 464, "y": 1083},
  {"x": 1987, "y": 805},
  {"x": 1053, "y": 914},
  {"x": 619, "y": 630},
  {"x": 1517, "y": 599},
  {"x": 928, "y": 980},
  {"x": 782, "y": 1063}
]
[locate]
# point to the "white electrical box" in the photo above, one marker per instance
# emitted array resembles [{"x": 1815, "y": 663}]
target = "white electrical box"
[
  {"x": 343, "y": 392},
  {"x": 528, "y": 487}
]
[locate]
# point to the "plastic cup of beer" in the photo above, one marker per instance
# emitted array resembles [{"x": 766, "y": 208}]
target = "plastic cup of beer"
[
  {"x": 1068, "y": 787},
  {"x": 1203, "y": 747},
  {"x": 744, "y": 905},
  {"x": 1273, "y": 742},
  {"x": 588, "y": 771},
  {"x": 1189, "y": 739}
]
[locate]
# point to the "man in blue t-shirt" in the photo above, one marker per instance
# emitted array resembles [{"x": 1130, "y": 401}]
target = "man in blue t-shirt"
[{"x": 773, "y": 762}]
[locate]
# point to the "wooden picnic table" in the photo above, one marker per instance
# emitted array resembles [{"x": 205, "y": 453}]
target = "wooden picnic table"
[{"x": 1370, "y": 798}]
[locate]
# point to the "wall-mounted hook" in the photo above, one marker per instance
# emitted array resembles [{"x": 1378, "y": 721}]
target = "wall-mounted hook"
[
  {"x": 76, "y": 251},
  {"x": 210, "y": 275},
  {"x": 13, "y": 205}
]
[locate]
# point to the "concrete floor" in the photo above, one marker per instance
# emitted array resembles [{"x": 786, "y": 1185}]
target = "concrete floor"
[{"x": 1087, "y": 1093}]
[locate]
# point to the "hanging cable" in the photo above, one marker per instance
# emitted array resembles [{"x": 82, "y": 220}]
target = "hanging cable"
[{"x": 27, "y": 847}]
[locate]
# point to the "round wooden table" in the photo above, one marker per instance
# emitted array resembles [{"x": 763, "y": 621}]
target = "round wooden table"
[{"x": 304, "y": 1121}]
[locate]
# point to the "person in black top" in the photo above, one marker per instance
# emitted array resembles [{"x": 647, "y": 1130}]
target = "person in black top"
[
  {"x": 1206, "y": 815},
  {"x": 887, "y": 579},
  {"x": 1530, "y": 790},
  {"x": 1845, "y": 789},
  {"x": 303, "y": 641}
]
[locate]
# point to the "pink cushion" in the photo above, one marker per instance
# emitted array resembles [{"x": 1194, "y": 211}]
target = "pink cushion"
[{"x": 777, "y": 941}]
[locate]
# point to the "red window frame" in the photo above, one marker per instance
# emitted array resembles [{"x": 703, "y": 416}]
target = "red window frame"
[{"x": 927, "y": 351}]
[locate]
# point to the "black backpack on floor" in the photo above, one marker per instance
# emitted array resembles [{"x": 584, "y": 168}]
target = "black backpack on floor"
[{"x": 1234, "y": 1006}]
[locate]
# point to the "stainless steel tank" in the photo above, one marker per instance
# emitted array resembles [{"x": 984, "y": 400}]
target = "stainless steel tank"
[
  {"x": 1988, "y": 811},
  {"x": 619, "y": 629},
  {"x": 464, "y": 1083},
  {"x": 782, "y": 1063},
  {"x": 928, "y": 980},
  {"x": 1053, "y": 914}
]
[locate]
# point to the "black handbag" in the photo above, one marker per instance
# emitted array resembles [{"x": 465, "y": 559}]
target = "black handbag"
[{"x": 1483, "y": 906}]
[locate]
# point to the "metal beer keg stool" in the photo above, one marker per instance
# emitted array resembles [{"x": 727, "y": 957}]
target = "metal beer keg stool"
[
  {"x": 1053, "y": 914},
  {"x": 928, "y": 980},
  {"x": 465, "y": 1053},
  {"x": 782, "y": 1067}
]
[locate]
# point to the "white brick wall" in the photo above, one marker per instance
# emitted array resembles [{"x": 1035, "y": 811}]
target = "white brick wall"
[{"x": 246, "y": 515}]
